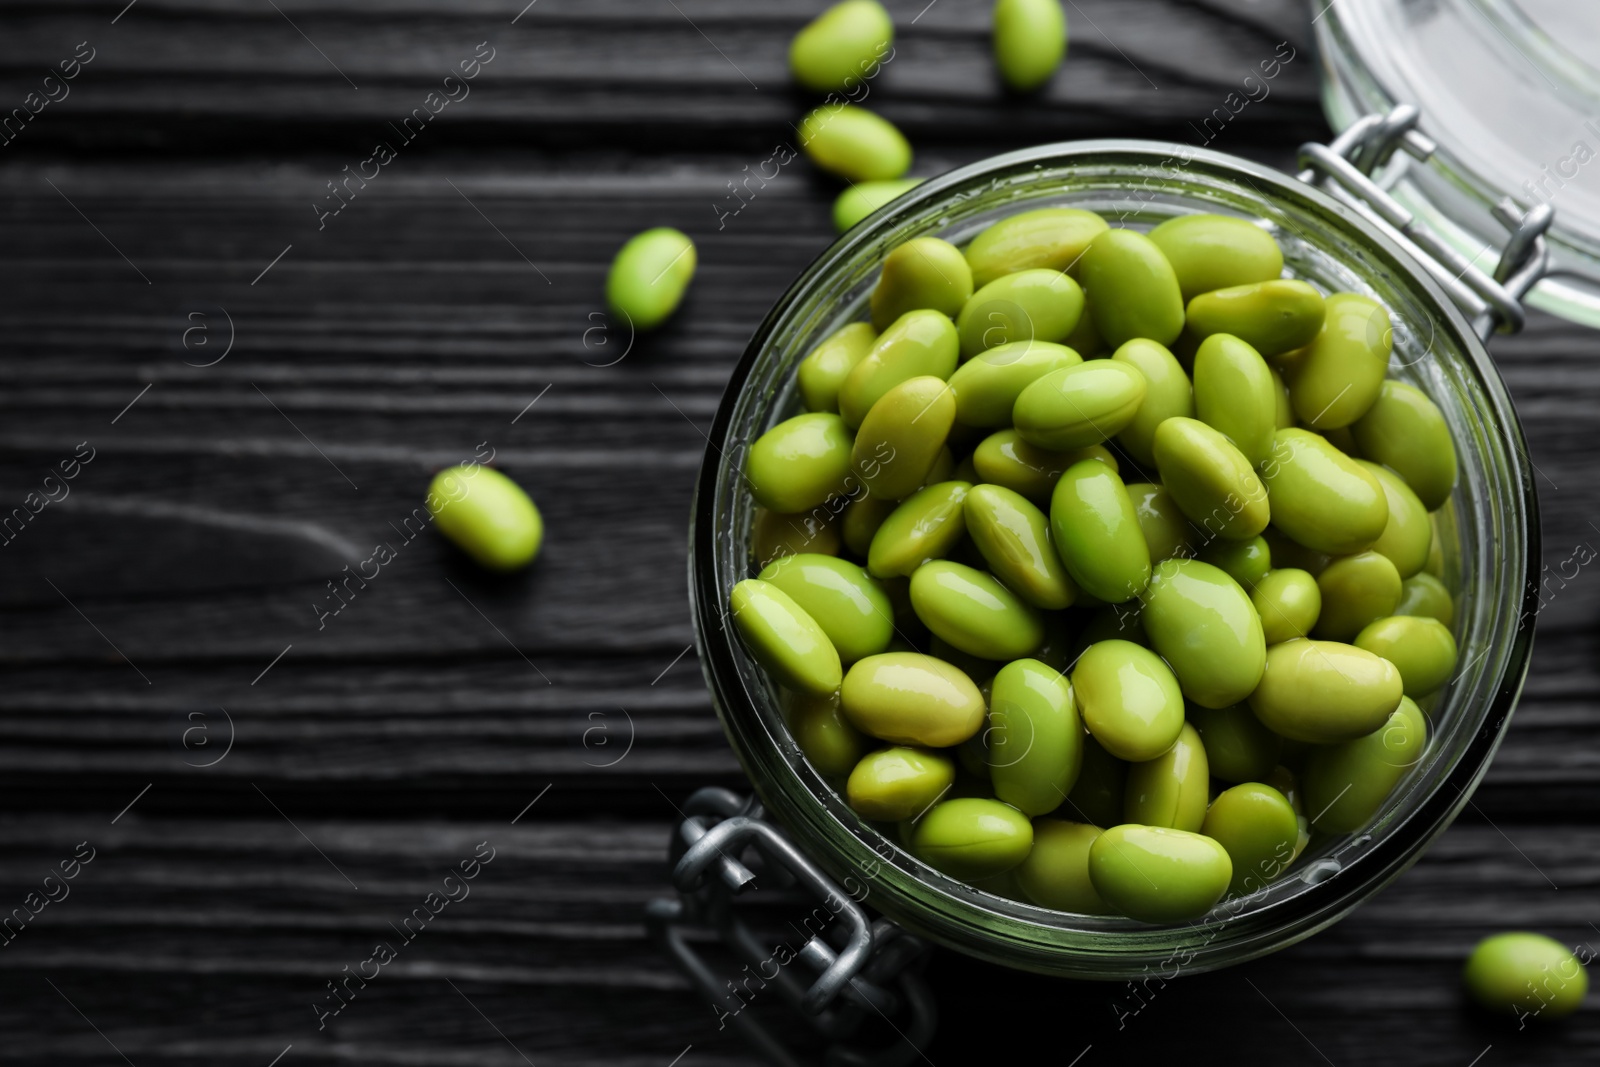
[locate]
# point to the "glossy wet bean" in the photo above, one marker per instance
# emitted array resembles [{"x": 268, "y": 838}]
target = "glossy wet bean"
[
  {"x": 918, "y": 343},
  {"x": 1168, "y": 394},
  {"x": 1406, "y": 432},
  {"x": 851, "y": 606},
  {"x": 899, "y": 440},
  {"x": 650, "y": 276},
  {"x": 1079, "y": 405},
  {"x": 1321, "y": 497},
  {"x": 1289, "y": 602},
  {"x": 1246, "y": 562},
  {"x": 1210, "y": 252},
  {"x": 1170, "y": 790},
  {"x": 1234, "y": 393},
  {"x": 854, "y": 143},
  {"x": 899, "y": 783},
  {"x": 1030, "y": 38},
  {"x": 986, "y": 387},
  {"x": 774, "y": 534},
  {"x": 1355, "y": 590},
  {"x": 1342, "y": 370},
  {"x": 825, "y": 368},
  {"x": 842, "y": 46},
  {"x": 1408, "y": 535},
  {"x": 1202, "y": 623},
  {"x": 1272, "y": 317},
  {"x": 783, "y": 638},
  {"x": 1035, "y": 738},
  {"x": 1422, "y": 650},
  {"x": 1325, "y": 692},
  {"x": 1426, "y": 596},
  {"x": 1056, "y": 872},
  {"x": 925, "y": 273},
  {"x": 1158, "y": 875},
  {"x": 1051, "y": 237},
  {"x": 1003, "y": 458},
  {"x": 1031, "y": 305},
  {"x": 1098, "y": 794},
  {"x": 1135, "y": 291},
  {"x": 907, "y": 698},
  {"x": 1346, "y": 784},
  {"x": 863, "y": 198},
  {"x": 974, "y": 612},
  {"x": 824, "y": 735},
  {"x": 1013, "y": 537},
  {"x": 1283, "y": 407},
  {"x": 1097, "y": 534},
  {"x": 926, "y": 525},
  {"x": 800, "y": 462},
  {"x": 1165, "y": 527},
  {"x": 1212, "y": 481},
  {"x": 487, "y": 515},
  {"x": 1129, "y": 699},
  {"x": 1287, "y": 552},
  {"x": 972, "y": 838},
  {"x": 1085, "y": 338},
  {"x": 1258, "y": 828},
  {"x": 1238, "y": 747},
  {"x": 1526, "y": 976}
]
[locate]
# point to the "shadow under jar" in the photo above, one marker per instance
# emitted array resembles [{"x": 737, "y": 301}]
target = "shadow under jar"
[{"x": 1489, "y": 527}]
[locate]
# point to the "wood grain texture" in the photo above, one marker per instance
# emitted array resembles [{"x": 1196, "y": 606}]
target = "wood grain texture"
[{"x": 146, "y": 613}]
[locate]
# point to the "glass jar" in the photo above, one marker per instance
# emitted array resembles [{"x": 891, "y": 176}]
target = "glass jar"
[{"x": 1491, "y": 524}]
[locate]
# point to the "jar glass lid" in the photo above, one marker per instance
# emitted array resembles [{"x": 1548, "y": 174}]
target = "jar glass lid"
[{"x": 1510, "y": 92}]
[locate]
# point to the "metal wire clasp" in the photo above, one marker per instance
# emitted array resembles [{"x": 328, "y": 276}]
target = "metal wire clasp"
[{"x": 1493, "y": 302}]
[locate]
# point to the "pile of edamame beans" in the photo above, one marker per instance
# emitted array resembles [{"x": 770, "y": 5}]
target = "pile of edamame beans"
[{"x": 1100, "y": 558}]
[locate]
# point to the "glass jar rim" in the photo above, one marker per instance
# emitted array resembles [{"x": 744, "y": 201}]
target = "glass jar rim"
[{"x": 1267, "y": 928}]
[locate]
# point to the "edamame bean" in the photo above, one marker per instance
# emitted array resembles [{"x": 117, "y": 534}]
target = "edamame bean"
[
  {"x": 841, "y": 46},
  {"x": 783, "y": 638},
  {"x": 1258, "y": 828},
  {"x": 1425, "y": 596},
  {"x": 1408, "y": 535},
  {"x": 1526, "y": 975},
  {"x": 1212, "y": 481},
  {"x": 1320, "y": 497},
  {"x": 487, "y": 515},
  {"x": 1097, "y": 533},
  {"x": 1157, "y": 875},
  {"x": 1271, "y": 317},
  {"x": 1325, "y": 692},
  {"x": 972, "y": 838},
  {"x": 1203, "y": 624},
  {"x": 1050, "y": 237},
  {"x": 907, "y": 698},
  {"x": 918, "y": 343},
  {"x": 1406, "y": 432},
  {"x": 1288, "y": 601},
  {"x": 1435, "y": 564},
  {"x": 1165, "y": 529},
  {"x": 1097, "y": 795},
  {"x": 1287, "y": 552},
  {"x": 1085, "y": 339},
  {"x": 898, "y": 783},
  {"x": 1209, "y": 252},
  {"x": 1035, "y": 738},
  {"x": 1030, "y": 38},
  {"x": 800, "y": 462},
  {"x": 974, "y": 612},
  {"x": 1345, "y": 784},
  {"x": 1168, "y": 394},
  {"x": 1171, "y": 789},
  {"x": 899, "y": 440},
  {"x": 1355, "y": 590},
  {"x": 824, "y": 735},
  {"x": 926, "y": 525},
  {"x": 1343, "y": 368},
  {"x": 851, "y": 607},
  {"x": 1238, "y": 747},
  {"x": 1423, "y": 650},
  {"x": 1013, "y": 537},
  {"x": 773, "y": 534},
  {"x": 1246, "y": 562},
  {"x": 1079, "y": 405},
  {"x": 1056, "y": 872},
  {"x": 854, "y": 143},
  {"x": 1283, "y": 406},
  {"x": 1129, "y": 700},
  {"x": 650, "y": 276},
  {"x": 923, "y": 273},
  {"x": 863, "y": 198},
  {"x": 860, "y": 521},
  {"x": 1005, "y": 459},
  {"x": 1031, "y": 305},
  {"x": 1135, "y": 290},
  {"x": 824, "y": 370},
  {"x": 986, "y": 387},
  {"x": 1235, "y": 395}
]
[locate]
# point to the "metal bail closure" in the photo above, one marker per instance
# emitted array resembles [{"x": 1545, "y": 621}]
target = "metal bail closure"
[
  {"x": 1493, "y": 302},
  {"x": 864, "y": 969}
]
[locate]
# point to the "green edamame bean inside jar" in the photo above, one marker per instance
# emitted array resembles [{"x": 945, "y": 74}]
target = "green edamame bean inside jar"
[{"x": 1488, "y": 530}]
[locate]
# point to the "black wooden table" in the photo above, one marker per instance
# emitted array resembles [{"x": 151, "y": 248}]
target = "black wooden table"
[{"x": 253, "y": 392}]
